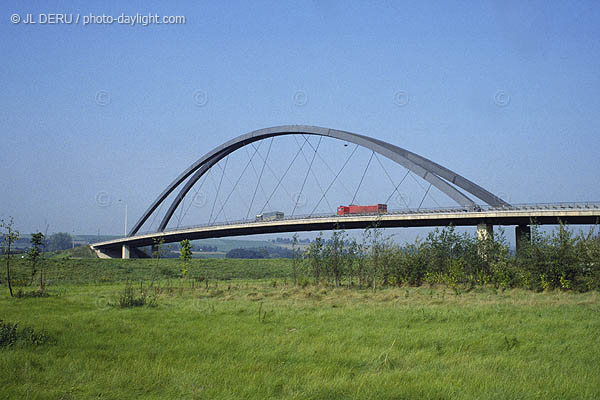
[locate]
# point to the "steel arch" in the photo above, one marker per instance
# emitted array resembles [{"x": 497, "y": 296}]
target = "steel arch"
[{"x": 439, "y": 176}]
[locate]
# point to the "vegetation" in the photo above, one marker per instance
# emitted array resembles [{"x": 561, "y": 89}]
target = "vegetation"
[
  {"x": 59, "y": 271},
  {"x": 446, "y": 317},
  {"x": 9, "y": 238},
  {"x": 12, "y": 335},
  {"x": 129, "y": 298},
  {"x": 260, "y": 252},
  {"x": 185, "y": 256},
  {"x": 556, "y": 260},
  {"x": 59, "y": 241},
  {"x": 34, "y": 254},
  {"x": 316, "y": 342}
]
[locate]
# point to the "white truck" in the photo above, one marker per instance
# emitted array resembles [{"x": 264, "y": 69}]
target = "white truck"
[{"x": 269, "y": 216}]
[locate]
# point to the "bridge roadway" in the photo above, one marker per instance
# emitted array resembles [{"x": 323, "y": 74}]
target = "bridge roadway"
[{"x": 520, "y": 215}]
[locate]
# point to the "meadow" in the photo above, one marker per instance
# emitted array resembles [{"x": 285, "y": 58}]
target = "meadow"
[{"x": 248, "y": 332}]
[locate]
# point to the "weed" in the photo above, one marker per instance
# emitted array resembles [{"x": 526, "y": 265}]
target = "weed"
[
  {"x": 32, "y": 293},
  {"x": 383, "y": 361},
  {"x": 510, "y": 343},
  {"x": 261, "y": 315},
  {"x": 10, "y": 335},
  {"x": 128, "y": 298}
]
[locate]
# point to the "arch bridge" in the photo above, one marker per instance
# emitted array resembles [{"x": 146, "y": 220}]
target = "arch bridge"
[{"x": 475, "y": 205}]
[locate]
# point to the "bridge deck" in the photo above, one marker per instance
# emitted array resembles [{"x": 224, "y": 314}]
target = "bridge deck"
[{"x": 549, "y": 214}]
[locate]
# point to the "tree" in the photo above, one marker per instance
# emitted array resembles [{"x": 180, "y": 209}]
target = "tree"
[
  {"x": 157, "y": 250},
  {"x": 314, "y": 254},
  {"x": 9, "y": 238},
  {"x": 295, "y": 257},
  {"x": 247, "y": 253},
  {"x": 34, "y": 255},
  {"x": 185, "y": 256},
  {"x": 334, "y": 257},
  {"x": 59, "y": 241}
]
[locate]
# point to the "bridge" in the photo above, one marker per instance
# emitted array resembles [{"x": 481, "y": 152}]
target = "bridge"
[{"x": 484, "y": 212}]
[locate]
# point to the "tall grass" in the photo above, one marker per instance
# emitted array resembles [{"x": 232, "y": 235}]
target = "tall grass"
[{"x": 249, "y": 339}]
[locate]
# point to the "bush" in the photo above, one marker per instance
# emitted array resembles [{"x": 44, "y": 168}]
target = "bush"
[
  {"x": 31, "y": 293},
  {"x": 11, "y": 335},
  {"x": 558, "y": 260},
  {"x": 128, "y": 298}
]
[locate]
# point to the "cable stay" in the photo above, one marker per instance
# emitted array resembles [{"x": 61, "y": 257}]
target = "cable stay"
[
  {"x": 259, "y": 177},
  {"x": 283, "y": 176},
  {"x": 195, "y": 194},
  {"x": 331, "y": 170},
  {"x": 237, "y": 182},
  {"x": 217, "y": 198},
  {"x": 259, "y": 184},
  {"x": 312, "y": 172},
  {"x": 392, "y": 181},
  {"x": 218, "y": 190},
  {"x": 155, "y": 215},
  {"x": 276, "y": 177},
  {"x": 334, "y": 179},
  {"x": 307, "y": 172},
  {"x": 423, "y": 199},
  {"x": 362, "y": 177},
  {"x": 419, "y": 183}
]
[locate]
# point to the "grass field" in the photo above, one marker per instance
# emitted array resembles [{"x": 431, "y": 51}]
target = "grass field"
[
  {"x": 93, "y": 270},
  {"x": 258, "y": 339}
]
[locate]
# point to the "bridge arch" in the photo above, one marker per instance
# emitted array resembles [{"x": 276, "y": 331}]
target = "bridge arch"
[{"x": 441, "y": 177}]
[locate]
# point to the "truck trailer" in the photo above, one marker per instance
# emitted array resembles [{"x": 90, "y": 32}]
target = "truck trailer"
[
  {"x": 270, "y": 216},
  {"x": 356, "y": 209}
]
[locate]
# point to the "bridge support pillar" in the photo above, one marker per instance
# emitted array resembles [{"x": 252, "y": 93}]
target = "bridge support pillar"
[
  {"x": 485, "y": 231},
  {"x": 125, "y": 252},
  {"x": 522, "y": 235}
]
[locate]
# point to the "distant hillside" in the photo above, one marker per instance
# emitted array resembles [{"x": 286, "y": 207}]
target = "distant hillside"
[{"x": 76, "y": 252}]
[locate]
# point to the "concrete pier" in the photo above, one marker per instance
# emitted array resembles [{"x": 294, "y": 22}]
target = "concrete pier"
[
  {"x": 125, "y": 251},
  {"x": 522, "y": 235},
  {"x": 485, "y": 231}
]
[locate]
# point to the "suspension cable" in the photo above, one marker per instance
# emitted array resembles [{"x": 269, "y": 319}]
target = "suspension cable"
[
  {"x": 330, "y": 169},
  {"x": 392, "y": 181},
  {"x": 216, "y": 197},
  {"x": 283, "y": 176},
  {"x": 218, "y": 189},
  {"x": 259, "y": 176},
  {"x": 419, "y": 183},
  {"x": 423, "y": 199},
  {"x": 237, "y": 182},
  {"x": 256, "y": 175},
  {"x": 276, "y": 177},
  {"x": 336, "y": 176},
  {"x": 361, "y": 179},
  {"x": 156, "y": 214},
  {"x": 396, "y": 190},
  {"x": 196, "y": 194},
  {"x": 312, "y": 172},
  {"x": 306, "y": 176}
]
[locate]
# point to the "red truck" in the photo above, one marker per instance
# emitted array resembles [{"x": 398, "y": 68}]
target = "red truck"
[{"x": 354, "y": 209}]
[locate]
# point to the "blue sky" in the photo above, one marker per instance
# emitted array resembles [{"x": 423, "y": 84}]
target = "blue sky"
[{"x": 505, "y": 93}]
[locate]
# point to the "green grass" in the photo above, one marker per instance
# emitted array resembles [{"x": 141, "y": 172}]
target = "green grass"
[
  {"x": 86, "y": 271},
  {"x": 308, "y": 343}
]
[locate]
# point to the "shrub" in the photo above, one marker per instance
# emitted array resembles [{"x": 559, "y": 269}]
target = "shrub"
[
  {"x": 128, "y": 298},
  {"x": 31, "y": 293},
  {"x": 11, "y": 335}
]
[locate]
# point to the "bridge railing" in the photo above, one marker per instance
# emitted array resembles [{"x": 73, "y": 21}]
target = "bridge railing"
[{"x": 406, "y": 211}]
